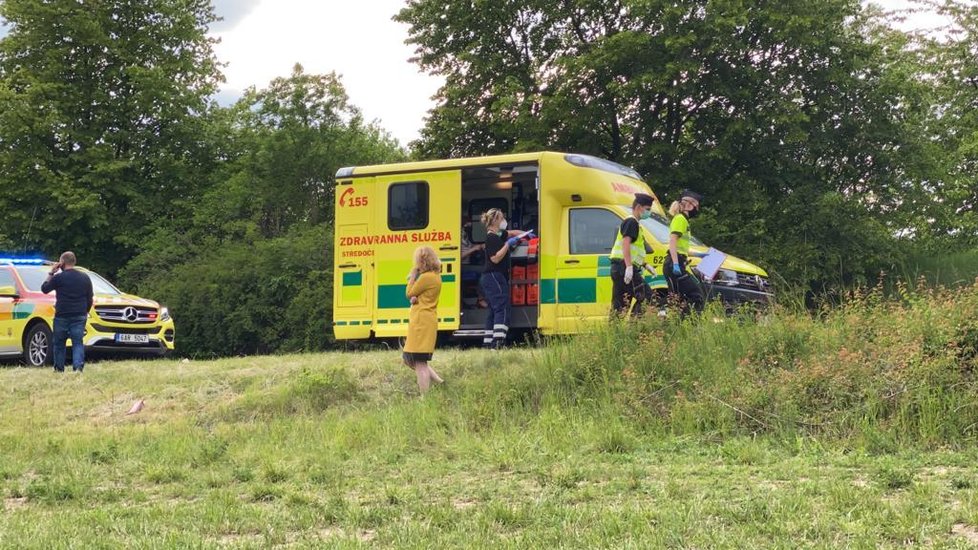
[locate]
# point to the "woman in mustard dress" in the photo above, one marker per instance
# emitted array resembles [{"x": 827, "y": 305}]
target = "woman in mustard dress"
[{"x": 423, "y": 290}]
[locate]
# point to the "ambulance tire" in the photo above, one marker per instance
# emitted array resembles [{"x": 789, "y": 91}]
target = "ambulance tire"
[{"x": 38, "y": 348}]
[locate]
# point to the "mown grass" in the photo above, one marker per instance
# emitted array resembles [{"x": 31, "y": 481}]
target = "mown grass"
[{"x": 851, "y": 428}]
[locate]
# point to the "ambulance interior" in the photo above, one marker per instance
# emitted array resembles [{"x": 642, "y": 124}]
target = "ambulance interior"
[{"x": 514, "y": 190}]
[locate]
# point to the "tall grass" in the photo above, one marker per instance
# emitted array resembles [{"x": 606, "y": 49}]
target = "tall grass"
[{"x": 876, "y": 372}]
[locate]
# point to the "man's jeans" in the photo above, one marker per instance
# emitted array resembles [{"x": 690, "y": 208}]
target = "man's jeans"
[{"x": 74, "y": 327}]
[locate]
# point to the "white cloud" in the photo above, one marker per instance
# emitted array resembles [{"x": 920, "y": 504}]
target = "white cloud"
[
  {"x": 231, "y": 12},
  {"x": 357, "y": 40}
]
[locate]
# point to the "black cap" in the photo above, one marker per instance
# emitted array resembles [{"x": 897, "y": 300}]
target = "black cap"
[
  {"x": 691, "y": 194},
  {"x": 643, "y": 199}
]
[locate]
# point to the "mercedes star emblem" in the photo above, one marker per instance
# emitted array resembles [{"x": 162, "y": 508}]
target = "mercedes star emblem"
[{"x": 130, "y": 314}]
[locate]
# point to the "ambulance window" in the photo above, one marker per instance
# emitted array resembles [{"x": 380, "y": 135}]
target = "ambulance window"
[
  {"x": 6, "y": 278},
  {"x": 407, "y": 206},
  {"x": 592, "y": 230}
]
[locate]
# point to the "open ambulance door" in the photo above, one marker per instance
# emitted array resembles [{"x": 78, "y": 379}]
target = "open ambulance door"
[{"x": 413, "y": 210}]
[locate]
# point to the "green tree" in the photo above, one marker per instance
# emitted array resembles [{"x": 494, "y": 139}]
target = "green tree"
[
  {"x": 102, "y": 126},
  {"x": 950, "y": 62},
  {"x": 791, "y": 116},
  {"x": 250, "y": 271}
]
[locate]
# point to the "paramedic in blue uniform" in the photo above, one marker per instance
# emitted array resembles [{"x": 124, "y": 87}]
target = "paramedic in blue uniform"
[{"x": 495, "y": 277}]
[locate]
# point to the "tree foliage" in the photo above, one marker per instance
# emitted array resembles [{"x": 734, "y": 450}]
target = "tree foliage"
[
  {"x": 797, "y": 119},
  {"x": 949, "y": 60},
  {"x": 250, "y": 270},
  {"x": 103, "y": 111}
]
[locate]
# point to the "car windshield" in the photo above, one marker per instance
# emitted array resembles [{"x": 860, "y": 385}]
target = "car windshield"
[
  {"x": 34, "y": 276},
  {"x": 100, "y": 285},
  {"x": 658, "y": 225}
]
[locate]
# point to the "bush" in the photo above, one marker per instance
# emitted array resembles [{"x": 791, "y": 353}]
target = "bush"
[{"x": 265, "y": 296}]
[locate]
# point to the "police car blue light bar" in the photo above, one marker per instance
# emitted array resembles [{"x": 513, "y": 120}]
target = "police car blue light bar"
[{"x": 24, "y": 261}]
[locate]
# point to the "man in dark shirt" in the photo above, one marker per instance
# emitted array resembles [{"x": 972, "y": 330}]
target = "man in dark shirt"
[{"x": 74, "y": 301}]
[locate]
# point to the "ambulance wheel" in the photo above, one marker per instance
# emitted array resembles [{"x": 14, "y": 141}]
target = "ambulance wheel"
[{"x": 37, "y": 346}]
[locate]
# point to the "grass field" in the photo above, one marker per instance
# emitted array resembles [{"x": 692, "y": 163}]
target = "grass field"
[{"x": 853, "y": 429}]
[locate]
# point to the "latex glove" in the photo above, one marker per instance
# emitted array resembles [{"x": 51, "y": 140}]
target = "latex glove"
[
  {"x": 512, "y": 241},
  {"x": 629, "y": 271},
  {"x": 676, "y": 270}
]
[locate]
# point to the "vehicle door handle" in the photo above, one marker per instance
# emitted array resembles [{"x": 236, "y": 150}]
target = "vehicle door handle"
[
  {"x": 572, "y": 261},
  {"x": 447, "y": 247},
  {"x": 347, "y": 266}
]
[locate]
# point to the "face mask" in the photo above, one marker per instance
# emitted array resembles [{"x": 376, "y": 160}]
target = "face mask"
[
  {"x": 646, "y": 214},
  {"x": 693, "y": 213},
  {"x": 502, "y": 225}
]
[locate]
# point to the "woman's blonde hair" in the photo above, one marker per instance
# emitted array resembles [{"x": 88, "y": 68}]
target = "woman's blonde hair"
[
  {"x": 490, "y": 215},
  {"x": 674, "y": 208},
  {"x": 426, "y": 260}
]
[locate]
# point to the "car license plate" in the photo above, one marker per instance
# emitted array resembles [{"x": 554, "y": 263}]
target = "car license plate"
[{"x": 132, "y": 338}]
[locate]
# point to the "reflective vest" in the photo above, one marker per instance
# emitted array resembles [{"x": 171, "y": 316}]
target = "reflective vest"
[{"x": 637, "y": 249}]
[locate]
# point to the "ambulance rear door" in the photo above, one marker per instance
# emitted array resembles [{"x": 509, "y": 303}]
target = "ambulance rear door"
[
  {"x": 354, "y": 259},
  {"x": 413, "y": 210}
]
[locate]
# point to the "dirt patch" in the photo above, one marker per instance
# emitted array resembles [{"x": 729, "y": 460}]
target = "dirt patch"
[
  {"x": 363, "y": 535},
  {"x": 11, "y": 504},
  {"x": 463, "y": 503},
  {"x": 965, "y": 531}
]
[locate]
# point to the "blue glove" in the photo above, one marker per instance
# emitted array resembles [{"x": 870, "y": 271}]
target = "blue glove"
[
  {"x": 512, "y": 241},
  {"x": 531, "y": 235},
  {"x": 676, "y": 270}
]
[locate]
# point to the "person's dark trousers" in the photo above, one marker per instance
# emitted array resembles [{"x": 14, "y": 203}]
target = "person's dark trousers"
[
  {"x": 622, "y": 293},
  {"x": 65, "y": 327},
  {"x": 495, "y": 287},
  {"x": 685, "y": 285}
]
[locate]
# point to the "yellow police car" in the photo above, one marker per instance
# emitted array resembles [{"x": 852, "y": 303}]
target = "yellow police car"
[{"x": 119, "y": 321}]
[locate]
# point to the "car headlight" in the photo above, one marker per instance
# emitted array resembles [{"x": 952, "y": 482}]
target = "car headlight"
[{"x": 164, "y": 314}]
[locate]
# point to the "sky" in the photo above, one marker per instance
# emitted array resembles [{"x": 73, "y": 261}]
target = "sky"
[{"x": 262, "y": 39}]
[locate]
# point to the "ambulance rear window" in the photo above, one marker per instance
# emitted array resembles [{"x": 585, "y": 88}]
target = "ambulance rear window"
[{"x": 407, "y": 206}]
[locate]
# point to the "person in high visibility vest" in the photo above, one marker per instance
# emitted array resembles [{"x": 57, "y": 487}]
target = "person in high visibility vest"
[
  {"x": 628, "y": 259},
  {"x": 676, "y": 265}
]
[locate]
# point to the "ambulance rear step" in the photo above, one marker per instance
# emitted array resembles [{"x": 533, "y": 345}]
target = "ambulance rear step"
[{"x": 469, "y": 333}]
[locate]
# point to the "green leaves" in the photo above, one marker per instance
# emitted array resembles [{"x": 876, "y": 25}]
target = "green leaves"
[
  {"x": 249, "y": 270},
  {"x": 768, "y": 108},
  {"x": 103, "y": 103}
]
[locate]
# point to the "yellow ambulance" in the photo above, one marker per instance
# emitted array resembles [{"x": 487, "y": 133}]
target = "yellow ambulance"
[{"x": 560, "y": 282}]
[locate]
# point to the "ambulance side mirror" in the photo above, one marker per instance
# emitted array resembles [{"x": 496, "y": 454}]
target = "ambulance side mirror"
[{"x": 8, "y": 292}]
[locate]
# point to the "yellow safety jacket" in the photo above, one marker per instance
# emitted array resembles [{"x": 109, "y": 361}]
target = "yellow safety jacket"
[{"x": 637, "y": 248}]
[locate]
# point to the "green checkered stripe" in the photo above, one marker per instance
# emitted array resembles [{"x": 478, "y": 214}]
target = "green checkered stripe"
[{"x": 584, "y": 290}]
